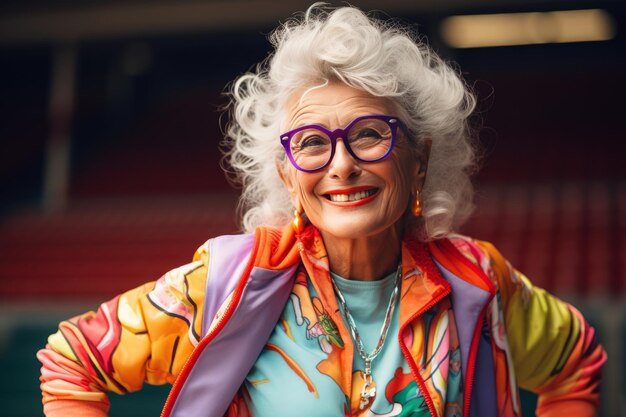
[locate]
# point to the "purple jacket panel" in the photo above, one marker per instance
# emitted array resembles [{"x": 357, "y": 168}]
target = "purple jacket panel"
[
  {"x": 467, "y": 303},
  {"x": 228, "y": 257}
]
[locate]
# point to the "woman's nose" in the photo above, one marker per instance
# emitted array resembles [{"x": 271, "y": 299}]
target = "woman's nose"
[{"x": 343, "y": 165}]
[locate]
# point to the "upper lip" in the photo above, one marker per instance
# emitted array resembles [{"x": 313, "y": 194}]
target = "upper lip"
[{"x": 350, "y": 190}]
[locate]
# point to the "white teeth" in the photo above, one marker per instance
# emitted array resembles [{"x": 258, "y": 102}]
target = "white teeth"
[{"x": 351, "y": 197}]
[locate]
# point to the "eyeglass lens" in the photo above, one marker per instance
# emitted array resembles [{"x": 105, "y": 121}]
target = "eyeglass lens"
[{"x": 369, "y": 140}]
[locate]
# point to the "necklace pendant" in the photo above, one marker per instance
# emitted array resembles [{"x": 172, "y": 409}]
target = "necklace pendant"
[
  {"x": 369, "y": 389},
  {"x": 368, "y": 393}
]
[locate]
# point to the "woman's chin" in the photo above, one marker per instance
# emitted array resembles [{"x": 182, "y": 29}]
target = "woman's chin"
[{"x": 356, "y": 229}]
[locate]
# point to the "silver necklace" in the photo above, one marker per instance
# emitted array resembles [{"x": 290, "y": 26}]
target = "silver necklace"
[{"x": 369, "y": 390}]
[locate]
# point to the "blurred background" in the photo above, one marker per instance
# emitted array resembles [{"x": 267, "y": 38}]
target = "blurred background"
[{"x": 109, "y": 161}]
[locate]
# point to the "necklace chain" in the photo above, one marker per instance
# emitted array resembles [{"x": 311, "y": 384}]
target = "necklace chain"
[{"x": 369, "y": 392}]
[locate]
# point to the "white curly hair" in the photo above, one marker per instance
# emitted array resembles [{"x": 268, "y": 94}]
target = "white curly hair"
[{"x": 383, "y": 58}]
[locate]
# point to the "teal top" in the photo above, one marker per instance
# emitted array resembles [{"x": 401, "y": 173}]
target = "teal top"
[{"x": 276, "y": 387}]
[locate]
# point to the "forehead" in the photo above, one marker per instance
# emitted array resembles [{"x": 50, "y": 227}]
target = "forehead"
[{"x": 333, "y": 105}]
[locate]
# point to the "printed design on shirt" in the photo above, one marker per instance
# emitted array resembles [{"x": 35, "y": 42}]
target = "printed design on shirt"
[
  {"x": 294, "y": 367},
  {"x": 310, "y": 311},
  {"x": 454, "y": 402},
  {"x": 403, "y": 392}
]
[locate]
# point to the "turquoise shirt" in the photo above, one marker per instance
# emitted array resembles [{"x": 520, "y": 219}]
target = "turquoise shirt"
[{"x": 277, "y": 389}]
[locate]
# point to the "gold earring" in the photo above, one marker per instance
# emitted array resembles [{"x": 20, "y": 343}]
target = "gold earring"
[
  {"x": 297, "y": 223},
  {"x": 416, "y": 208}
]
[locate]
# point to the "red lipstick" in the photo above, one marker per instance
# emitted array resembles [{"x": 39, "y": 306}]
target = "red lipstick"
[{"x": 352, "y": 190}]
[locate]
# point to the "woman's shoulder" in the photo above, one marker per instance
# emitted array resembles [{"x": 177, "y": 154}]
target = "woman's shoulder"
[
  {"x": 230, "y": 242},
  {"x": 475, "y": 250},
  {"x": 262, "y": 233},
  {"x": 481, "y": 253},
  {"x": 271, "y": 248}
]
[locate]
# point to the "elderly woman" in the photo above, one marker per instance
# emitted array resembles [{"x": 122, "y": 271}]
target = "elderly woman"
[{"x": 349, "y": 295}]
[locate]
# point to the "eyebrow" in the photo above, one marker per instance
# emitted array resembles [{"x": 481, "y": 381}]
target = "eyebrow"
[{"x": 342, "y": 126}]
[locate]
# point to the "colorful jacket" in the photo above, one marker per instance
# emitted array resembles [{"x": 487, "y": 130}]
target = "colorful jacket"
[{"x": 203, "y": 325}]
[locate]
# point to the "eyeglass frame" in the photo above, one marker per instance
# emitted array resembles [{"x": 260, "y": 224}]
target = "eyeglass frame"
[{"x": 392, "y": 121}]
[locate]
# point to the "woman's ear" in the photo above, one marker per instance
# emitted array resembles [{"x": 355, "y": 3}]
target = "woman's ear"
[{"x": 423, "y": 158}]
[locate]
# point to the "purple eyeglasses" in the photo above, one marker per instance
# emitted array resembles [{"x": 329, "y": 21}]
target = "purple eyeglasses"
[{"x": 367, "y": 138}]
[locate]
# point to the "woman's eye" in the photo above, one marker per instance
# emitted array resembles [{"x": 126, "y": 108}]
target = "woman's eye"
[
  {"x": 312, "y": 141},
  {"x": 368, "y": 134}
]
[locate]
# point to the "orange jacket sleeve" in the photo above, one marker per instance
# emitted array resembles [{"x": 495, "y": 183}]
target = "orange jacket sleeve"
[{"x": 143, "y": 335}]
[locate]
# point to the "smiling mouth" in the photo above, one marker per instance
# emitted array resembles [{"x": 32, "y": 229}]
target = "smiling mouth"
[{"x": 343, "y": 198}]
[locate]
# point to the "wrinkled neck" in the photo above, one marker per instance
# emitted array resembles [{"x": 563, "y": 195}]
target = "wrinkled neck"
[{"x": 365, "y": 258}]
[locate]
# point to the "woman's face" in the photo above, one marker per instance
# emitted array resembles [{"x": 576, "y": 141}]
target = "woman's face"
[{"x": 384, "y": 187}]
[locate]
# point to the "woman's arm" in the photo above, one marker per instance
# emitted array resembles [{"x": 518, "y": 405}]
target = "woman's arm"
[
  {"x": 554, "y": 350},
  {"x": 145, "y": 334}
]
